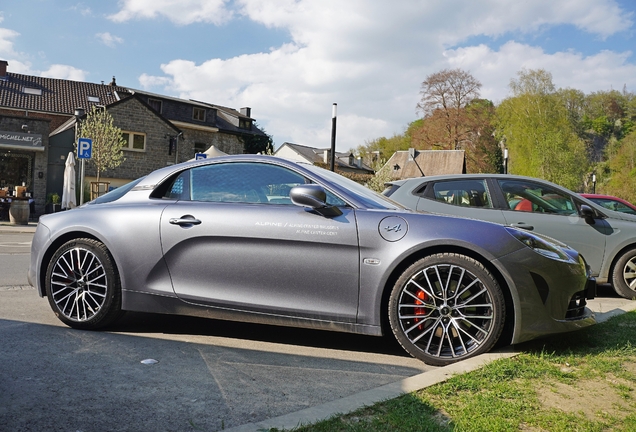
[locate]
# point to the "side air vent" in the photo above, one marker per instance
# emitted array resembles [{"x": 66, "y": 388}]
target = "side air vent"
[{"x": 541, "y": 285}]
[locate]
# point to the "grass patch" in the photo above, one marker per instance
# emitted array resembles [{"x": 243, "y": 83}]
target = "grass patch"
[{"x": 581, "y": 381}]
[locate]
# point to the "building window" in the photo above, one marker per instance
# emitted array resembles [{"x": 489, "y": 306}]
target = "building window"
[
  {"x": 134, "y": 141},
  {"x": 155, "y": 105},
  {"x": 198, "y": 114},
  {"x": 93, "y": 99},
  {"x": 245, "y": 123},
  {"x": 200, "y": 147},
  {"x": 32, "y": 91}
]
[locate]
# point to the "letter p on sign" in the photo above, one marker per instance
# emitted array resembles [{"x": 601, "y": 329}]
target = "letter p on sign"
[{"x": 84, "y": 148}]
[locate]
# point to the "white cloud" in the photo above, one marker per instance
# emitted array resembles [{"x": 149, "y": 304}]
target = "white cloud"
[
  {"x": 370, "y": 58},
  {"x": 495, "y": 69},
  {"x": 109, "y": 39},
  {"x": 82, "y": 9},
  {"x": 180, "y": 12},
  {"x": 6, "y": 41},
  {"x": 64, "y": 72}
]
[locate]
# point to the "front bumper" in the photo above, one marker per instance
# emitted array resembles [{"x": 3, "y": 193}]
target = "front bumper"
[{"x": 549, "y": 295}]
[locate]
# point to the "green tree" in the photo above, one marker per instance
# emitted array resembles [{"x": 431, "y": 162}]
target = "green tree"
[
  {"x": 254, "y": 144},
  {"x": 385, "y": 147},
  {"x": 383, "y": 174},
  {"x": 537, "y": 130},
  {"x": 619, "y": 178},
  {"x": 107, "y": 139}
]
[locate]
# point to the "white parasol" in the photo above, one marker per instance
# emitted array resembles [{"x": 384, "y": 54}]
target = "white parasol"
[
  {"x": 213, "y": 152},
  {"x": 68, "y": 192}
]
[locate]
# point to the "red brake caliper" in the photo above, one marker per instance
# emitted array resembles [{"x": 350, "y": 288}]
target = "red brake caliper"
[{"x": 421, "y": 295}]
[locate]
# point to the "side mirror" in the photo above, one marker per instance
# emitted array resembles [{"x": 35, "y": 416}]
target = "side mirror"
[
  {"x": 588, "y": 214},
  {"x": 314, "y": 197}
]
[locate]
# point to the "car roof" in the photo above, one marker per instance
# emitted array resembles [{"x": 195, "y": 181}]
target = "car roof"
[
  {"x": 470, "y": 176},
  {"x": 609, "y": 197}
]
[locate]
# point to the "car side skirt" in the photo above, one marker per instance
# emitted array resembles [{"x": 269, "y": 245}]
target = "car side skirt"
[{"x": 136, "y": 301}]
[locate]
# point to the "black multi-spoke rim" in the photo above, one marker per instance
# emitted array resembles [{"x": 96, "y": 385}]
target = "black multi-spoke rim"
[
  {"x": 446, "y": 311},
  {"x": 79, "y": 284}
]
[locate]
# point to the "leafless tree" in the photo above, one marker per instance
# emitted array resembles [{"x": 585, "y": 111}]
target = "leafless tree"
[{"x": 444, "y": 97}]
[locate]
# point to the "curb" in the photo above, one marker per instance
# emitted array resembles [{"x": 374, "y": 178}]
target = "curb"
[{"x": 370, "y": 397}]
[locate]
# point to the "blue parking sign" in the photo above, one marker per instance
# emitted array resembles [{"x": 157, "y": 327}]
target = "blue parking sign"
[{"x": 84, "y": 148}]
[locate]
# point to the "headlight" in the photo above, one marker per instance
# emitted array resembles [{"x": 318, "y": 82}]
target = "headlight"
[{"x": 539, "y": 244}]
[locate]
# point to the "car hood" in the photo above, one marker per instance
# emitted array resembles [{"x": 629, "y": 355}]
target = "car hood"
[{"x": 620, "y": 215}]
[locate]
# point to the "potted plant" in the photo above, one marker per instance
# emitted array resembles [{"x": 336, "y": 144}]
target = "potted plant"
[{"x": 52, "y": 203}]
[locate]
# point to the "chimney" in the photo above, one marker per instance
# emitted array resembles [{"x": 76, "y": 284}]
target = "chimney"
[
  {"x": 246, "y": 111},
  {"x": 3, "y": 68},
  {"x": 113, "y": 83}
]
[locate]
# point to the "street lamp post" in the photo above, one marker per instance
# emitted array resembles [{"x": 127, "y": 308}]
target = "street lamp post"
[
  {"x": 333, "y": 136},
  {"x": 505, "y": 161}
]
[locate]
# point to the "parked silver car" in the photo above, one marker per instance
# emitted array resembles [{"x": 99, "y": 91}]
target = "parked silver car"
[
  {"x": 605, "y": 238},
  {"x": 264, "y": 240}
]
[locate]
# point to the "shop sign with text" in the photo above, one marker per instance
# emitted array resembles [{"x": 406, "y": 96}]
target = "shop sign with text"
[{"x": 19, "y": 139}]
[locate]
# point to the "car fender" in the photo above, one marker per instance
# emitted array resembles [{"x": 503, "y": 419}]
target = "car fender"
[{"x": 382, "y": 261}]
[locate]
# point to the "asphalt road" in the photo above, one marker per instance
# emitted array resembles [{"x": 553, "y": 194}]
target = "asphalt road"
[
  {"x": 210, "y": 375},
  {"x": 14, "y": 258}
]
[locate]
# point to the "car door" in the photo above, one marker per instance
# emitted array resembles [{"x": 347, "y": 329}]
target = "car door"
[
  {"x": 546, "y": 210},
  {"x": 233, "y": 239},
  {"x": 463, "y": 197}
]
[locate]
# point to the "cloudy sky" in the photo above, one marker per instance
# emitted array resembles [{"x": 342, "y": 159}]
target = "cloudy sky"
[{"x": 290, "y": 60}]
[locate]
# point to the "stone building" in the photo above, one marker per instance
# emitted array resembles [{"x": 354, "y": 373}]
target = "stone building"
[{"x": 160, "y": 130}]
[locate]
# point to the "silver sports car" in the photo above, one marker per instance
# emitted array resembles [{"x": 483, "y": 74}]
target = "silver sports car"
[{"x": 265, "y": 240}]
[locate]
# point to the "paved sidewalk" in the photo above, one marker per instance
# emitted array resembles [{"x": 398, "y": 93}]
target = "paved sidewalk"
[{"x": 6, "y": 226}]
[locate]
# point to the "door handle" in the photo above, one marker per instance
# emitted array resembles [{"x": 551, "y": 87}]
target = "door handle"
[
  {"x": 185, "y": 221},
  {"x": 522, "y": 225}
]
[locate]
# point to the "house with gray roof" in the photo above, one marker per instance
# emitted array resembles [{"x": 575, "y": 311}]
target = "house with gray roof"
[{"x": 344, "y": 161}]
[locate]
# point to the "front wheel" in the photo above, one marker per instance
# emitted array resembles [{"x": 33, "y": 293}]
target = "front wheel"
[
  {"x": 82, "y": 285},
  {"x": 624, "y": 275},
  {"x": 446, "y": 308}
]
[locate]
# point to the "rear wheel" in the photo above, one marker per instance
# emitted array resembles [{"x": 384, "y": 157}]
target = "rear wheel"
[
  {"x": 82, "y": 285},
  {"x": 624, "y": 275},
  {"x": 446, "y": 308}
]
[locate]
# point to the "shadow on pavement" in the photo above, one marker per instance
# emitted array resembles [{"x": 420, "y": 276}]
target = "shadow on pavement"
[{"x": 56, "y": 378}]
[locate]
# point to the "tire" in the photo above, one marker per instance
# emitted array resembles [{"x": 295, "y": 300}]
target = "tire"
[
  {"x": 446, "y": 308},
  {"x": 83, "y": 286},
  {"x": 624, "y": 275}
]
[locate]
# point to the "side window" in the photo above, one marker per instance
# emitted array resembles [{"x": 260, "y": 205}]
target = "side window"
[
  {"x": 536, "y": 198},
  {"x": 467, "y": 193},
  {"x": 240, "y": 183}
]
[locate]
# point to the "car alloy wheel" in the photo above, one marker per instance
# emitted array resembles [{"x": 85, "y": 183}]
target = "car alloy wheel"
[
  {"x": 624, "y": 275},
  {"x": 446, "y": 308},
  {"x": 83, "y": 285}
]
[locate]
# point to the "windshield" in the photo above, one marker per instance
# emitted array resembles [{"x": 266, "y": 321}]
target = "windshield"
[
  {"x": 370, "y": 198},
  {"x": 117, "y": 193}
]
